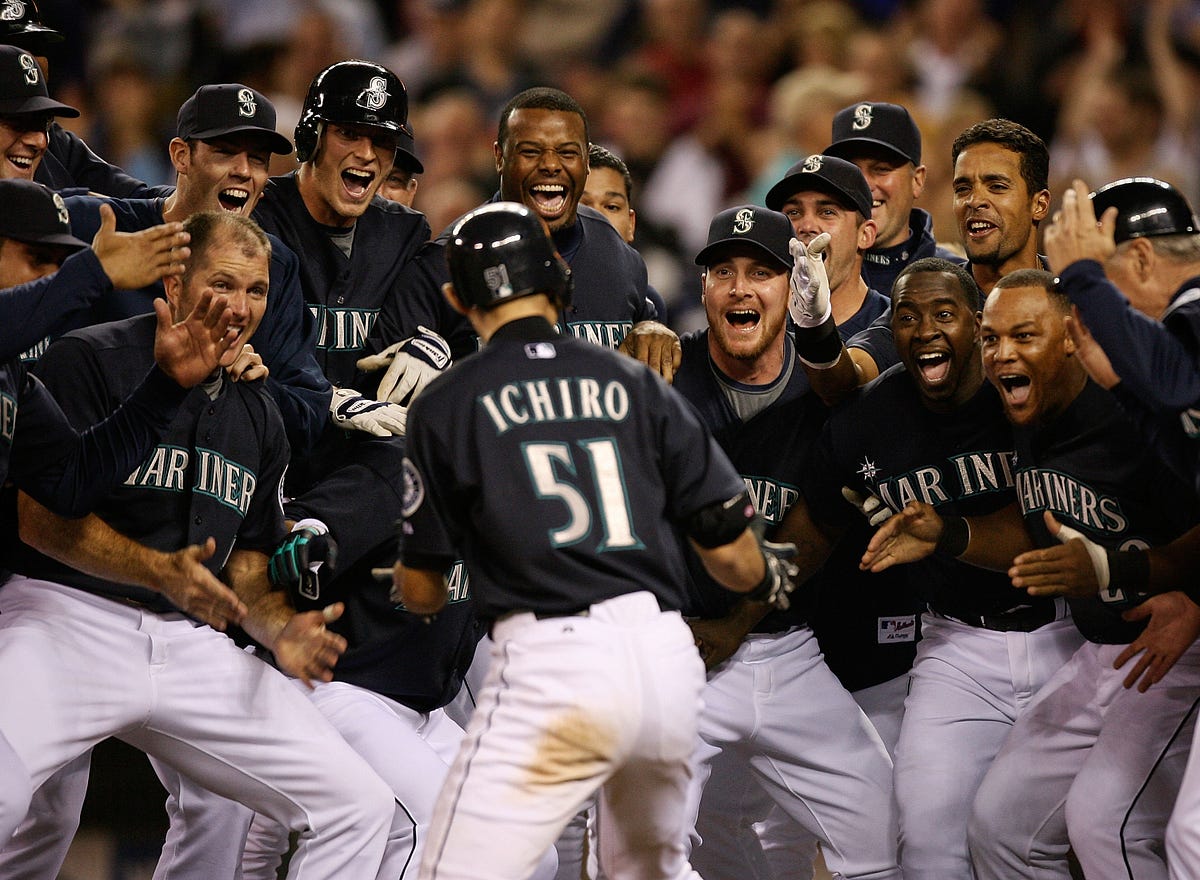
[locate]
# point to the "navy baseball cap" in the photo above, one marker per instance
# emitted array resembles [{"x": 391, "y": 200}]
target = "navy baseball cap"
[
  {"x": 23, "y": 88},
  {"x": 1145, "y": 207},
  {"x": 406, "y": 152},
  {"x": 769, "y": 231},
  {"x": 229, "y": 108},
  {"x": 36, "y": 214},
  {"x": 827, "y": 174},
  {"x": 21, "y": 25},
  {"x": 875, "y": 124}
]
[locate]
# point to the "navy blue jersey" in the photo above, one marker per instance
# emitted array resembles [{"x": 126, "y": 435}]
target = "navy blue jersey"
[
  {"x": 389, "y": 651},
  {"x": 1093, "y": 470},
  {"x": 30, "y": 313},
  {"x": 215, "y": 472},
  {"x": 69, "y": 163},
  {"x": 770, "y": 451},
  {"x": 881, "y": 265},
  {"x": 884, "y": 440},
  {"x": 344, "y": 294},
  {"x": 609, "y": 296},
  {"x": 68, "y": 471},
  {"x": 285, "y": 338},
  {"x": 874, "y": 305},
  {"x": 555, "y": 466}
]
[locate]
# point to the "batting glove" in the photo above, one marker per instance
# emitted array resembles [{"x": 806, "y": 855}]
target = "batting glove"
[
  {"x": 869, "y": 505},
  {"x": 780, "y": 577},
  {"x": 352, "y": 411},
  {"x": 808, "y": 303},
  {"x": 306, "y": 557},
  {"x": 411, "y": 365},
  {"x": 1123, "y": 575}
]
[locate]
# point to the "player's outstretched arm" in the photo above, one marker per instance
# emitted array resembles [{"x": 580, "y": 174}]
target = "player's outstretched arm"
[
  {"x": 93, "y": 547},
  {"x": 990, "y": 541},
  {"x": 1174, "y": 625},
  {"x": 656, "y": 345},
  {"x": 136, "y": 259},
  {"x": 302, "y": 645}
]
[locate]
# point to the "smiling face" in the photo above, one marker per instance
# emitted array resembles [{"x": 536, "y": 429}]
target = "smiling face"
[
  {"x": 745, "y": 301},
  {"x": 23, "y": 141},
  {"x": 935, "y": 326},
  {"x": 605, "y": 192},
  {"x": 223, "y": 174},
  {"x": 895, "y": 183},
  {"x": 350, "y": 163},
  {"x": 543, "y": 163},
  {"x": 236, "y": 268},
  {"x": 995, "y": 211},
  {"x": 1027, "y": 353},
  {"x": 815, "y": 212}
]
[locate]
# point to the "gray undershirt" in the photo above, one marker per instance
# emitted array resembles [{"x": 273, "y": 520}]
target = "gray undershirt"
[{"x": 749, "y": 400}]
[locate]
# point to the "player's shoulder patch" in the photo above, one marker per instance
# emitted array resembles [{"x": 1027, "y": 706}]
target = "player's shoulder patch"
[{"x": 414, "y": 488}]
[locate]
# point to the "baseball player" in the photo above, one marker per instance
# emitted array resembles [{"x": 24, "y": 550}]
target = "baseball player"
[
  {"x": 771, "y": 701},
  {"x": 985, "y": 651},
  {"x": 1090, "y": 763},
  {"x": 1000, "y": 198},
  {"x": 584, "y": 588},
  {"x": 541, "y": 158},
  {"x": 65, "y": 162},
  {"x": 107, "y": 612},
  {"x": 26, "y": 113},
  {"x": 884, "y": 142},
  {"x": 225, "y": 138},
  {"x": 400, "y": 185}
]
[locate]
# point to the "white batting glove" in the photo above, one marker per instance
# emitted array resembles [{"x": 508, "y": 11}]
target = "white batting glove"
[
  {"x": 352, "y": 411},
  {"x": 808, "y": 303},
  {"x": 411, "y": 365},
  {"x": 869, "y": 505}
]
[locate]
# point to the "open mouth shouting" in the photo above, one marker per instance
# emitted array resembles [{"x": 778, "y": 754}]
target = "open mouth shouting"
[
  {"x": 233, "y": 199},
  {"x": 743, "y": 320},
  {"x": 549, "y": 199},
  {"x": 934, "y": 367},
  {"x": 357, "y": 182},
  {"x": 1014, "y": 389},
  {"x": 979, "y": 229}
]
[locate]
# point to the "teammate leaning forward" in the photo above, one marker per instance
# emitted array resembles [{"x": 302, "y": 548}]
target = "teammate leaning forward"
[{"x": 558, "y": 468}]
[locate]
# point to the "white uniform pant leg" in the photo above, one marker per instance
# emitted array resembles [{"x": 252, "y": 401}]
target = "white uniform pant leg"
[
  {"x": 725, "y": 845},
  {"x": 39, "y": 847},
  {"x": 205, "y": 831},
  {"x": 809, "y": 745},
  {"x": 968, "y": 687},
  {"x": 1119, "y": 805},
  {"x": 568, "y": 702},
  {"x": 1183, "y": 830},
  {"x": 18, "y": 795}
]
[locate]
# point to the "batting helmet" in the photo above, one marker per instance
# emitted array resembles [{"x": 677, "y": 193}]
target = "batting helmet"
[
  {"x": 358, "y": 92},
  {"x": 21, "y": 25},
  {"x": 1145, "y": 206},
  {"x": 501, "y": 252}
]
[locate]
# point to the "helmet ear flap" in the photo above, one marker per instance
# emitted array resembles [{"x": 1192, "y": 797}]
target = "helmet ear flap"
[{"x": 308, "y": 132}]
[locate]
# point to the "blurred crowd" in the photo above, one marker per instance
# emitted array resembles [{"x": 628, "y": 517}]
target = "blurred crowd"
[{"x": 708, "y": 101}]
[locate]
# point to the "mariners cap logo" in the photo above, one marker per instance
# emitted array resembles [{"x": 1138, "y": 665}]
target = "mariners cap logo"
[
  {"x": 813, "y": 162},
  {"x": 375, "y": 95},
  {"x": 31, "y": 69},
  {"x": 414, "y": 489},
  {"x": 496, "y": 279},
  {"x": 862, "y": 117},
  {"x": 14, "y": 10},
  {"x": 743, "y": 221},
  {"x": 247, "y": 106},
  {"x": 64, "y": 219}
]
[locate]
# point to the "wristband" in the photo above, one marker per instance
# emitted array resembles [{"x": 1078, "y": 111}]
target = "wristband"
[
  {"x": 1128, "y": 577},
  {"x": 819, "y": 347},
  {"x": 956, "y": 535}
]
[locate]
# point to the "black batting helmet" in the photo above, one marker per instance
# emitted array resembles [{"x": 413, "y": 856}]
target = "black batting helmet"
[
  {"x": 501, "y": 252},
  {"x": 358, "y": 92},
  {"x": 21, "y": 25},
  {"x": 1145, "y": 206}
]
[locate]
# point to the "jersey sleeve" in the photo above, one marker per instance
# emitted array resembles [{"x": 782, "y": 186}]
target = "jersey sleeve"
[
  {"x": 1153, "y": 363},
  {"x": 430, "y": 533},
  {"x": 878, "y": 342},
  {"x": 30, "y": 312}
]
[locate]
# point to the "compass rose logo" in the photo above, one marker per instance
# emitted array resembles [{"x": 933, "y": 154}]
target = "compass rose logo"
[{"x": 867, "y": 470}]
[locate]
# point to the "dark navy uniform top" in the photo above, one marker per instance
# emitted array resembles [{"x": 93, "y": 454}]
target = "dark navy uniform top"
[
  {"x": 389, "y": 651},
  {"x": 609, "y": 296},
  {"x": 284, "y": 338},
  {"x": 344, "y": 293},
  {"x": 556, "y": 466},
  {"x": 215, "y": 472},
  {"x": 884, "y": 440},
  {"x": 770, "y": 451},
  {"x": 881, "y": 265},
  {"x": 1093, "y": 470},
  {"x": 69, "y": 163}
]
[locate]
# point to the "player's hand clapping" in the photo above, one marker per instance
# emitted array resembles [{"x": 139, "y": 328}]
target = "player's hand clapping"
[
  {"x": 411, "y": 365},
  {"x": 910, "y": 535},
  {"x": 195, "y": 590},
  {"x": 136, "y": 259},
  {"x": 1078, "y": 567},
  {"x": 656, "y": 345},
  {"x": 1074, "y": 233},
  {"x": 305, "y": 649},
  {"x": 1174, "y": 625}
]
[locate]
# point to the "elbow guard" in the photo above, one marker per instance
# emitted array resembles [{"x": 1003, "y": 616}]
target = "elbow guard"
[{"x": 720, "y": 522}]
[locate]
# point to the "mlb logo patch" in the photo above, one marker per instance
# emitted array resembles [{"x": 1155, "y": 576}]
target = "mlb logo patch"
[
  {"x": 540, "y": 351},
  {"x": 897, "y": 629}
]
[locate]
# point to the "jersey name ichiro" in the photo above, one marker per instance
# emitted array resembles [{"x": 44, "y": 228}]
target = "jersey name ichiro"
[{"x": 569, "y": 399}]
